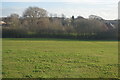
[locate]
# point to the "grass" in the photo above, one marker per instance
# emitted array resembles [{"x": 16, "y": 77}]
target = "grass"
[{"x": 59, "y": 58}]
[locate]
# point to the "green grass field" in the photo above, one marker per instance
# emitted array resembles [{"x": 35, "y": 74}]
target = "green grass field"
[{"x": 59, "y": 58}]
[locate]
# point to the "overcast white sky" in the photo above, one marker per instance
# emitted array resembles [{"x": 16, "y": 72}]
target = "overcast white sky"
[
  {"x": 113, "y": 1},
  {"x": 108, "y": 9},
  {"x": 119, "y": 10}
]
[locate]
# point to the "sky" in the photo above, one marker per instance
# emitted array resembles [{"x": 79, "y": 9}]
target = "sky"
[
  {"x": 107, "y": 9},
  {"x": 119, "y": 10}
]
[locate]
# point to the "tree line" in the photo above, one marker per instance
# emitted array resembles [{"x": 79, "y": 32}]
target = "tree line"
[{"x": 35, "y": 23}]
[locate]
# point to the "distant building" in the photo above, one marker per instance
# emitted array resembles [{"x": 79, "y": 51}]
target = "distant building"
[
  {"x": 110, "y": 25},
  {"x": 2, "y": 23}
]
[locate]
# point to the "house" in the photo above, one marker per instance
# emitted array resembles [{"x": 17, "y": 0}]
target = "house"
[{"x": 2, "y": 23}]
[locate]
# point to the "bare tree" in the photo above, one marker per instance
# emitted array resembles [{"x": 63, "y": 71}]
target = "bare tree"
[
  {"x": 14, "y": 15},
  {"x": 35, "y": 12},
  {"x": 14, "y": 20},
  {"x": 63, "y": 16}
]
